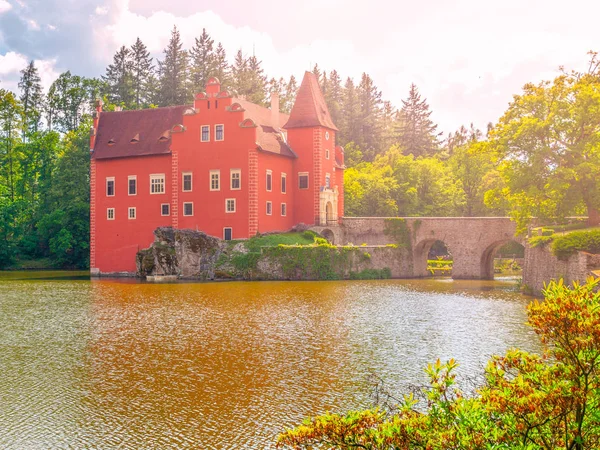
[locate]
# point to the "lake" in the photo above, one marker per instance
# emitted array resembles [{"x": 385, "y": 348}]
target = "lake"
[{"x": 126, "y": 364}]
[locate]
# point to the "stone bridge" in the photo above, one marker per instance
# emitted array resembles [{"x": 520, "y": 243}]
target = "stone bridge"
[{"x": 472, "y": 241}]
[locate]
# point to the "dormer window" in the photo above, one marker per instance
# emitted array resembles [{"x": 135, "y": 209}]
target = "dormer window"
[
  {"x": 135, "y": 139},
  {"x": 164, "y": 137},
  {"x": 111, "y": 142}
]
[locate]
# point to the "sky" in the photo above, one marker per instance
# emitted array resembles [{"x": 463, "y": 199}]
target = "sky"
[{"x": 467, "y": 57}]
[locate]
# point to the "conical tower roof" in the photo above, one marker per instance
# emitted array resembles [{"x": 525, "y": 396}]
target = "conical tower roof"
[{"x": 310, "y": 109}]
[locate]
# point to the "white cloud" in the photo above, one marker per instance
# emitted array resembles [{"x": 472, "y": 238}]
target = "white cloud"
[
  {"x": 4, "y": 6},
  {"x": 466, "y": 57},
  {"x": 12, "y": 63},
  {"x": 51, "y": 27},
  {"x": 33, "y": 25}
]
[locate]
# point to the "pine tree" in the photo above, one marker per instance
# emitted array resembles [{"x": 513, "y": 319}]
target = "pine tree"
[
  {"x": 288, "y": 98},
  {"x": 221, "y": 68},
  {"x": 32, "y": 98},
  {"x": 119, "y": 78},
  {"x": 334, "y": 97},
  {"x": 239, "y": 72},
  {"x": 416, "y": 132},
  {"x": 173, "y": 72},
  {"x": 348, "y": 126},
  {"x": 388, "y": 120},
  {"x": 257, "y": 81},
  {"x": 202, "y": 60},
  {"x": 369, "y": 120},
  {"x": 141, "y": 75},
  {"x": 317, "y": 73}
]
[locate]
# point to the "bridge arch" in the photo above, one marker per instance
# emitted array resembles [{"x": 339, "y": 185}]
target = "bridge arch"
[
  {"x": 487, "y": 257},
  {"x": 421, "y": 254},
  {"x": 329, "y": 235}
]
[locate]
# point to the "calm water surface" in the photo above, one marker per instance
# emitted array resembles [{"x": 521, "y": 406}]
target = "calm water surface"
[{"x": 121, "y": 364}]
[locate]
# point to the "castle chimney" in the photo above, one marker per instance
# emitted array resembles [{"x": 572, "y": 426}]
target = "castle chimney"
[
  {"x": 96, "y": 117},
  {"x": 275, "y": 110}
]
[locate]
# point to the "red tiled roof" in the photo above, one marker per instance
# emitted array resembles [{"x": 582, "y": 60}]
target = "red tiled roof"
[
  {"x": 310, "y": 108},
  {"x": 268, "y": 135},
  {"x": 148, "y": 125}
]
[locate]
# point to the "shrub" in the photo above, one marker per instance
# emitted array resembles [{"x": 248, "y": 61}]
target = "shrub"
[
  {"x": 566, "y": 245},
  {"x": 540, "y": 241}
]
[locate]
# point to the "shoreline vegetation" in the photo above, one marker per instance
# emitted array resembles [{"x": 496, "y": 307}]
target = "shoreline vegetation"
[
  {"x": 526, "y": 401},
  {"x": 398, "y": 163}
]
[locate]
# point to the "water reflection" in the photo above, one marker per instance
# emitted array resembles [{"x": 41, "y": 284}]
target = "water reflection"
[{"x": 110, "y": 364}]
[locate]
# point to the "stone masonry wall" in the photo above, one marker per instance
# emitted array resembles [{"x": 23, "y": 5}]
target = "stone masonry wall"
[{"x": 541, "y": 266}]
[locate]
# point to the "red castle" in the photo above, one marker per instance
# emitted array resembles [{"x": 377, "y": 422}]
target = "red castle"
[{"x": 223, "y": 166}]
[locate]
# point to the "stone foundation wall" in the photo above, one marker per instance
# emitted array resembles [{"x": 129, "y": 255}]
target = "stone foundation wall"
[{"x": 541, "y": 266}]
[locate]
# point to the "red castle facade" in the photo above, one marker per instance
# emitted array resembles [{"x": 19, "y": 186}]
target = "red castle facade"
[{"x": 223, "y": 166}]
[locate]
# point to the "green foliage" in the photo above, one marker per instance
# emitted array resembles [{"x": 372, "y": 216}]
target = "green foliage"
[
  {"x": 272, "y": 240},
  {"x": 548, "y": 141},
  {"x": 539, "y": 241},
  {"x": 397, "y": 229},
  {"x": 566, "y": 245},
  {"x": 245, "y": 263},
  {"x": 526, "y": 401},
  {"x": 372, "y": 274}
]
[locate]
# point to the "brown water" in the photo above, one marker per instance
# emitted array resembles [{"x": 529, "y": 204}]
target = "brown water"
[{"x": 120, "y": 364}]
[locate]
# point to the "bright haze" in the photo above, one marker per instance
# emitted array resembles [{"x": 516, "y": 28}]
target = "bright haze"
[{"x": 467, "y": 57}]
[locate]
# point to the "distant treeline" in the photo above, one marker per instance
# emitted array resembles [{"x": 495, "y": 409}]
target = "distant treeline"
[{"x": 541, "y": 159}]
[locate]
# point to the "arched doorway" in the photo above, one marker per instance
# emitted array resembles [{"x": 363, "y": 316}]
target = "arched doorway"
[
  {"x": 432, "y": 257},
  {"x": 504, "y": 258},
  {"x": 329, "y": 213}
]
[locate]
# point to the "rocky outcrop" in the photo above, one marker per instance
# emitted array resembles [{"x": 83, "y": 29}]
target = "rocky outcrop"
[
  {"x": 185, "y": 253},
  {"x": 188, "y": 254}
]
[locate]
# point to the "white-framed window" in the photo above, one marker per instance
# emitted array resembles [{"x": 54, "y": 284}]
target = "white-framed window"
[
  {"x": 327, "y": 135},
  {"x": 205, "y": 133},
  {"x": 188, "y": 209},
  {"x": 110, "y": 213},
  {"x": 186, "y": 181},
  {"x": 164, "y": 209},
  {"x": 326, "y": 153},
  {"x": 269, "y": 208},
  {"x": 303, "y": 180},
  {"x": 110, "y": 186},
  {"x": 283, "y": 209},
  {"x": 230, "y": 205},
  {"x": 215, "y": 180},
  {"x": 283, "y": 183},
  {"x": 219, "y": 132},
  {"x": 327, "y": 180},
  {"x": 131, "y": 212},
  {"x": 269, "y": 180},
  {"x": 157, "y": 183},
  {"x": 227, "y": 233},
  {"x": 132, "y": 185},
  {"x": 236, "y": 179}
]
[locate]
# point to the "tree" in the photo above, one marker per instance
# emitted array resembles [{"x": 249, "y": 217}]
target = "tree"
[
  {"x": 32, "y": 98},
  {"x": 288, "y": 97},
  {"x": 369, "y": 120},
  {"x": 70, "y": 98},
  {"x": 221, "y": 67},
  {"x": 416, "y": 132},
  {"x": 549, "y": 142},
  {"x": 240, "y": 82},
  {"x": 173, "y": 72},
  {"x": 141, "y": 75},
  {"x": 349, "y": 127},
  {"x": 119, "y": 78},
  {"x": 527, "y": 401},
  {"x": 369, "y": 191},
  {"x": 334, "y": 97},
  {"x": 11, "y": 113},
  {"x": 202, "y": 60}
]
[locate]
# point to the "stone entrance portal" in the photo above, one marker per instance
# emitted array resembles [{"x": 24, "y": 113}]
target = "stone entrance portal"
[{"x": 328, "y": 206}]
